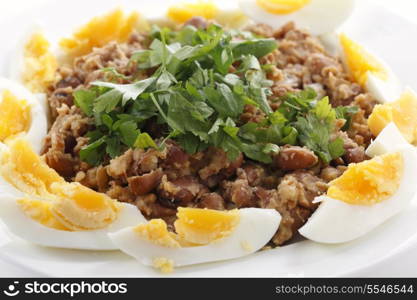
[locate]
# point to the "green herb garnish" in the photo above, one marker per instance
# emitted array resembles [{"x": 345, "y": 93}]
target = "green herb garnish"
[{"x": 199, "y": 100}]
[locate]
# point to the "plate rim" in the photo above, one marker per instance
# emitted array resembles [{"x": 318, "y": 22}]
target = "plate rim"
[{"x": 396, "y": 251}]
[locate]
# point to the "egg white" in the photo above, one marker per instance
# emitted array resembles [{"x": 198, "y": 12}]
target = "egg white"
[
  {"x": 16, "y": 66},
  {"x": 331, "y": 43},
  {"x": 318, "y": 16},
  {"x": 387, "y": 90},
  {"x": 256, "y": 227},
  {"x": 336, "y": 221},
  {"x": 39, "y": 124},
  {"x": 384, "y": 91},
  {"x": 22, "y": 226},
  {"x": 6, "y": 187},
  {"x": 388, "y": 140}
]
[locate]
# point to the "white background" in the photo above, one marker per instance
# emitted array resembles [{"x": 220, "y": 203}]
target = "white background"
[{"x": 405, "y": 8}]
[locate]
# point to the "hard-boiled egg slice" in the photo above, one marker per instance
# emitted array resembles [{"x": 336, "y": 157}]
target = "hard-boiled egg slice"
[
  {"x": 331, "y": 43},
  {"x": 387, "y": 140},
  {"x": 365, "y": 196},
  {"x": 21, "y": 113},
  {"x": 229, "y": 15},
  {"x": 41, "y": 207},
  {"x": 33, "y": 63},
  {"x": 402, "y": 111},
  {"x": 318, "y": 16},
  {"x": 113, "y": 26},
  {"x": 5, "y": 187},
  {"x": 203, "y": 235},
  {"x": 24, "y": 218},
  {"x": 370, "y": 72},
  {"x": 184, "y": 11}
]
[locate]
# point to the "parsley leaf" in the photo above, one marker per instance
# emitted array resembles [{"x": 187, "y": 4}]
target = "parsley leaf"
[
  {"x": 315, "y": 130},
  {"x": 314, "y": 136},
  {"x": 324, "y": 111},
  {"x": 94, "y": 152},
  {"x": 144, "y": 141},
  {"x": 258, "y": 152},
  {"x": 128, "y": 132},
  {"x": 84, "y": 99},
  {"x": 107, "y": 101},
  {"x": 336, "y": 148},
  {"x": 346, "y": 112},
  {"x": 200, "y": 81},
  {"x": 184, "y": 116},
  {"x": 128, "y": 92},
  {"x": 112, "y": 73},
  {"x": 113, "y": 146},
  {"x": 256, "y": 47}
]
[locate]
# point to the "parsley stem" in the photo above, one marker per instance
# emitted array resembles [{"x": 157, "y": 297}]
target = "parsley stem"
[
  {"x": 155, "y": 102},
  {"x": 292, "y": 106},
  {"x": 164, "y": 49},
  {"x": 211, "y": 75},
  {"x": 172, "y": 134}
]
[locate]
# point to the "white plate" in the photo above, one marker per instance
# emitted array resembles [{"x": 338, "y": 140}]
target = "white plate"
[{"x": 372, "y": 255}]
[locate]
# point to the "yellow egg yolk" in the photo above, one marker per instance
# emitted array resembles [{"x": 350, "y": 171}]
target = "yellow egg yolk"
[
  {"x": 282, "y": 7},
  {"x": 360, "y": 62},
  {"x": 184, "y": 11},
  {"x": 114, "y": 26},
  {"x": 40, "y": 64},
  {"x": 25, "y": 170},
  {"x": 369, "y": 182},
  {"x": 193, "y": 227},
  {"x": 202, "y": 226},
  {"x": 403, "y": 112},
  {"x": 156, "y": 231},
  {"x": 40, "y": 211},
  {"x": 72, "y": 205},
  {"x": 163, "y": 264},
  {"x": 15, "y": 116},
  {"x": 79, "y": 194},
  {"x": 81, "y": 208},
  {"x": 231, "y": 19}
]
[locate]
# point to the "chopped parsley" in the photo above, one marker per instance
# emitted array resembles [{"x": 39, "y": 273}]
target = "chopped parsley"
[{"x": 202, "y": 80}]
